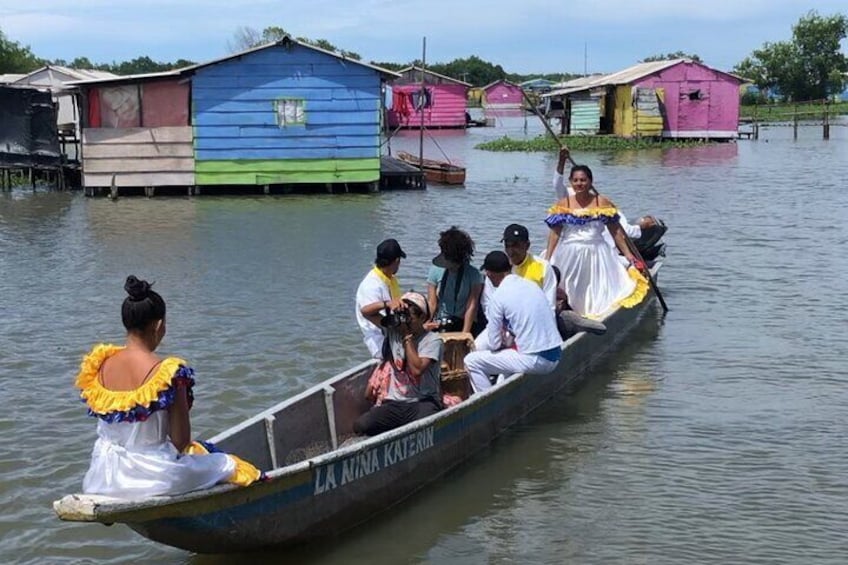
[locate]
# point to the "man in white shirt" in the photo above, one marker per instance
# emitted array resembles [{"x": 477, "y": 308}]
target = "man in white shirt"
[
  {"x": 519, "y": 309},
  {"x": 516, "y": 240},
  {"x": 378, "y": 293}
]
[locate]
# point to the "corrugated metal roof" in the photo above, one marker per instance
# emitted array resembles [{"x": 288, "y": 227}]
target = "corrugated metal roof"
[
  {"x": 573, "y": 85},
  {"x": 428, "y": 72},
  {"x": 83, "y": 74},
  {"x": 76, "y": 74},
  {"x": 191, "y": 68},
  {"x": 128, "y": 78},
  {"x": 640, "y": 70},
  {"x": 579, "y": 81},
  {"x": 624, "y": 76},
  {"x": 536, "y": 82},
  {"x": 503, "y": 80},
  {"x": 10, "y": 78},
  {"x": 627, "y": 76}
]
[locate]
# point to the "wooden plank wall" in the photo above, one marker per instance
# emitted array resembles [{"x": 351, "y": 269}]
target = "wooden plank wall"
[
  {"x": 157, "y": 156},
  {"x": 238, "y": 135}
]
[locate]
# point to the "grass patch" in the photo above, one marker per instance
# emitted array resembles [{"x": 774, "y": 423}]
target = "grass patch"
[{"x": 584, "y": 143}]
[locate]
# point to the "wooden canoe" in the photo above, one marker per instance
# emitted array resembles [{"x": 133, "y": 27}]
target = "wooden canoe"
[
  {"x": 322, "y": 483},
  {"x": 440, "y": 172}
]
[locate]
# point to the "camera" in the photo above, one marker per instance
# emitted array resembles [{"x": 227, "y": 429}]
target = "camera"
[{"x": 395, "y": 318}]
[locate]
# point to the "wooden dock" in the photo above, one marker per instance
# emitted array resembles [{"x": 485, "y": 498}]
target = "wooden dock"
[{"x": 399, "y": 175}]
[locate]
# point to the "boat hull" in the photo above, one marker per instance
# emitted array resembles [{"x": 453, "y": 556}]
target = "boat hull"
[
  {"x": 438, "y": 172},
  {"x": 441, "y": 176},
  {"x": 323, "y": 496}
]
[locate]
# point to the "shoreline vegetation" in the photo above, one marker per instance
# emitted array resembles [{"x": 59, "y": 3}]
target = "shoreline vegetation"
[
  {"x": 787, "y": 111},
  {"x": 586, "y": 143}
]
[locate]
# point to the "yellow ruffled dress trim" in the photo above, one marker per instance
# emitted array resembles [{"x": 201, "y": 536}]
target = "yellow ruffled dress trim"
[
  {"x": 102, "y": 400},
  {"x": 244, "y": 474},
  {"x": 639, "y": 293}
]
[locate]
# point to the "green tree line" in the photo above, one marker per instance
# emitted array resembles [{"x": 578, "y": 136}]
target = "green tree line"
[
  {"x": 810, "y": 66},
  {"x": 17, "y": 58}
]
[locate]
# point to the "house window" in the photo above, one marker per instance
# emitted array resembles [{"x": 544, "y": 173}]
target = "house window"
[
  {"x": 290, "y": 112},
  {"x": 696, "y": 95}
]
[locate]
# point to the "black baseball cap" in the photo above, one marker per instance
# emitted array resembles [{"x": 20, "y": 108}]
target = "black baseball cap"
[
  {"x": 515, "y": 232},
  {"x": 389, "y": 250},
  {"x": 497, "y": 262}
]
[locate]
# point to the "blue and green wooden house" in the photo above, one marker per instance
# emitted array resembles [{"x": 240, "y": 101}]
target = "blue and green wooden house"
[{"x": 285, "y": 113}]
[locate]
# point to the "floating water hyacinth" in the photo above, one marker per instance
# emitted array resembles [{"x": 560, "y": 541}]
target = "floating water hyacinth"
[{"x": 584, "y": 143}]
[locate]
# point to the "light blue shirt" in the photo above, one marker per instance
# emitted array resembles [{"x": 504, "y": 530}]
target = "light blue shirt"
[{"x": 447, "y": 305}]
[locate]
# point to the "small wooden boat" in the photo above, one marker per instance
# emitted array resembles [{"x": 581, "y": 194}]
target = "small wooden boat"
[
  {"x": 323, "y": 480},
  {"x": 440, "y": 172}
]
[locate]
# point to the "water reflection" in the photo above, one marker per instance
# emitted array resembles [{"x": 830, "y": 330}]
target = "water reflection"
[{"x": 25, "y": 214}]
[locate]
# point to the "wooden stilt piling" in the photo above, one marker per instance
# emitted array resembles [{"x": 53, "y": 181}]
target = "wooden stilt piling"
[
  {"x": 795, "y": 124},
  {"x": 826, "y": 121}
]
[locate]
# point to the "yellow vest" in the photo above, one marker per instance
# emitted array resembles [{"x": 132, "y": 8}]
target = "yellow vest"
[{"x": 531, "y": 269}]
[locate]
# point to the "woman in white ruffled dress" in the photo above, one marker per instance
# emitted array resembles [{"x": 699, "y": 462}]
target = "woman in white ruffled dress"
[
  {"x": 593, "y": 278},
  {"x": 142, "y": 405}
]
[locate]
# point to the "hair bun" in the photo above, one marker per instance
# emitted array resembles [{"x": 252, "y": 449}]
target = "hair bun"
[{"x": 137, "y": 289}]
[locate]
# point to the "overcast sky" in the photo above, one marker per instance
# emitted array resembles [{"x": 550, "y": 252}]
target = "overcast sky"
[{"x": 524, "y": 36}]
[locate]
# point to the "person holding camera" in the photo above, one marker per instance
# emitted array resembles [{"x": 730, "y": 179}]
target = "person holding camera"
[
  {"x": 379, "y": 292},
  {"x": 413, "y": 358}
]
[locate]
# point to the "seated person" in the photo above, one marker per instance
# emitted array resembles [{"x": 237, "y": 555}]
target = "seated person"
[
  {"x": 454, "y": 285},
  {"x": 413, "y": 355},
  {"x": 516, "y": 240},
  {"x": 520, "y": 309},
  {"x": 142, "y": 405}
]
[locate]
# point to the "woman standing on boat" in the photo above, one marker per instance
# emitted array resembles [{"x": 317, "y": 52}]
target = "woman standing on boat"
[
  {"x": 454, "y": 285},
  {"x": 142, "y": 405},
  {"x": 592, "y": 277}
]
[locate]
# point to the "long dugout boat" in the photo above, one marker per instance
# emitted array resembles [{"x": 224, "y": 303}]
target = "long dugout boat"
[{"x": 322, "y": 482}]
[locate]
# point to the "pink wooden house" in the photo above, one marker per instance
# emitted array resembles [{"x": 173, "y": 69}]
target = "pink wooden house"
[
  {"x": 678, "y": 98},
  {"x": 696, "y": 100},
  {"x": 502, "y": 95},
  {"x": 443, "y": 100}
]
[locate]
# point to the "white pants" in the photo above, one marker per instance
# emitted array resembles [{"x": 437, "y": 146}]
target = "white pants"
[
  {"x": 481, "y": 342},
  {"x": 481, "y": 364}
]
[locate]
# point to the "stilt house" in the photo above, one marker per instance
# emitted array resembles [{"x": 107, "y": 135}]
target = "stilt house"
[{"x": 285, "y": 113}]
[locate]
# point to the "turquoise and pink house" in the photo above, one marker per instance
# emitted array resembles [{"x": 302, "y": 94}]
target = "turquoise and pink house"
[{"x": 441, "y": 99}]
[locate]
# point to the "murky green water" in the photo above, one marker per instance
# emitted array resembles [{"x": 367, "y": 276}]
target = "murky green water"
[{"x": 718, "y": 435}]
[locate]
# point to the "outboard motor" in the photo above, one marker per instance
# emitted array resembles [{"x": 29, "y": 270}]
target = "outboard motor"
[{"x": 650, "y": 245}]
